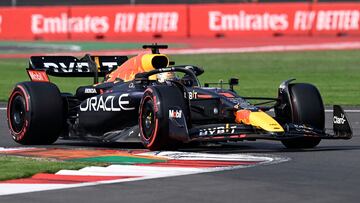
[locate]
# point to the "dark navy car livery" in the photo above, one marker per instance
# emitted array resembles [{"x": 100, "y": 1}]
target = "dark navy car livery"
[{"x": 131, "y": 102}]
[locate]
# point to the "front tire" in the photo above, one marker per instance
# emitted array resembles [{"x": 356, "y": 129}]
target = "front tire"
[
  {"x": 35, "y": 113},
  {"x": 306, "y": 108},
  {"x": 154, "y": 116}
]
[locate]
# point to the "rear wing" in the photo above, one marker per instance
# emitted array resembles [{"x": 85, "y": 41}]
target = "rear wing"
[{"x": 70, "y": 66}]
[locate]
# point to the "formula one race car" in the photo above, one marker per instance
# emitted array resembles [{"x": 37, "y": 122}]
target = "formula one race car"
[{"x": 142, "y": 97}]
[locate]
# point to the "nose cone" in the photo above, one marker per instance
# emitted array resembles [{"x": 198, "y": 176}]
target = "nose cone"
[{"x": 258, "y": 119}]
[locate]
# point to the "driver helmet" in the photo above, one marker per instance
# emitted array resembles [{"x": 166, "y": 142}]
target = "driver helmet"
[{"x": 162, "y": 77}]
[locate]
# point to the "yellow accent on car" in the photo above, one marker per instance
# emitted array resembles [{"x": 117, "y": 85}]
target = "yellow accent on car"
[
  {"x": 154, "y": 61},
  {"x": 97, "y": 63},
  {"x": 262, "y": 120},
  {"x": 138, "y": 64}
]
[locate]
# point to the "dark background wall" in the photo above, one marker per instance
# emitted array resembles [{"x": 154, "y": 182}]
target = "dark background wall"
[{"x": 92, "y": 2}]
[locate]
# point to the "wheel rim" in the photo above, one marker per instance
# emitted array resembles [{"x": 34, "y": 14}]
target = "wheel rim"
[
  {"x": 148, "y": 119},
  {"x": 17, "y": 113}
]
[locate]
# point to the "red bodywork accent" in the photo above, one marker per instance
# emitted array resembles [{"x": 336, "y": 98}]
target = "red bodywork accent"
[
  {"x": 242, "y": 116},
  {"x": 242, "y": 136},
  {"x": 226, "y": 94},
  {"x": 38, "y": 76},
  {"x": 204, "y": 96},
  {"x": 128, "y": 70}
]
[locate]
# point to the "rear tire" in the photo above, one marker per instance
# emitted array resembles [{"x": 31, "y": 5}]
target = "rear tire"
[
  {"x": 154, "y": 116},
  {"x": 307, "y": 108},
  {"x": 35, "y": 113}
]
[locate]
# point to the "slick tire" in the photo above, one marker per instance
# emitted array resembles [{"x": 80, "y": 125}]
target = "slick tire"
[
  {"x": 154, "y": 116},
  {"x": 35, "y": 113},
  {"x": 307, "y": 108}
]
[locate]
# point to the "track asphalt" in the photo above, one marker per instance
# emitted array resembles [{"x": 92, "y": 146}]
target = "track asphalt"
[{"x": 328, "y": 173}]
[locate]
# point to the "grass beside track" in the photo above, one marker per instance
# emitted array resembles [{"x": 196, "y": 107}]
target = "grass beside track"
[
  {"x": 335, "y": 73},
  {"x": 20, "y": 167}
]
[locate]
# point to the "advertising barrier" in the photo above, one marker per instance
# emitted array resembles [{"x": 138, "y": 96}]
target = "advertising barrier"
[
  {"x": 197, "y": 20},
  {"x": 274, "y": 19},
  {"x": 31, "y": 23},
  {"x": 129, "y": 21},
  {"x": 93, "y": 22},
  {"x": 244, "y": 19},
  {"x": 342, "y": 18}
]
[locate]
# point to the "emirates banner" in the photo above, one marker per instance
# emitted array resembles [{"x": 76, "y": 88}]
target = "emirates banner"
[
  {"x": 129, "y": 21},
  {"x": 332, "y": 18},
  {"x": 30, "y": 23},
  {"x": 93, "y": 22},
  {"x": 199, "y": 20},
  {"x": 274, "y": 19}
]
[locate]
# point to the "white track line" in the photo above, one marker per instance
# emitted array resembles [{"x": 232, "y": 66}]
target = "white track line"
[
  {"x": 267, "y": 48},
  {"x": 347, "y": 111},
  {"x": 326, "y": 111},
  {"x": 270, "y": 48}
]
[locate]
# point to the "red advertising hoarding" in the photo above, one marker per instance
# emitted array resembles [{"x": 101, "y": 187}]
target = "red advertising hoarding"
[
  {"x": 274, "y": 19},
  {"x": 336, "y": 18},
  {"x": 91, "y": 22},
  {"x": 205, "y": 20},
  {"x": 243, "y": 19},
  {"x": 116, "y": 22},
  {"x": 27, "y": 23}
]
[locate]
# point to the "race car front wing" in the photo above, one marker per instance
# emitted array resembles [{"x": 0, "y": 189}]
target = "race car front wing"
[{"x": 239, "y": 132}]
